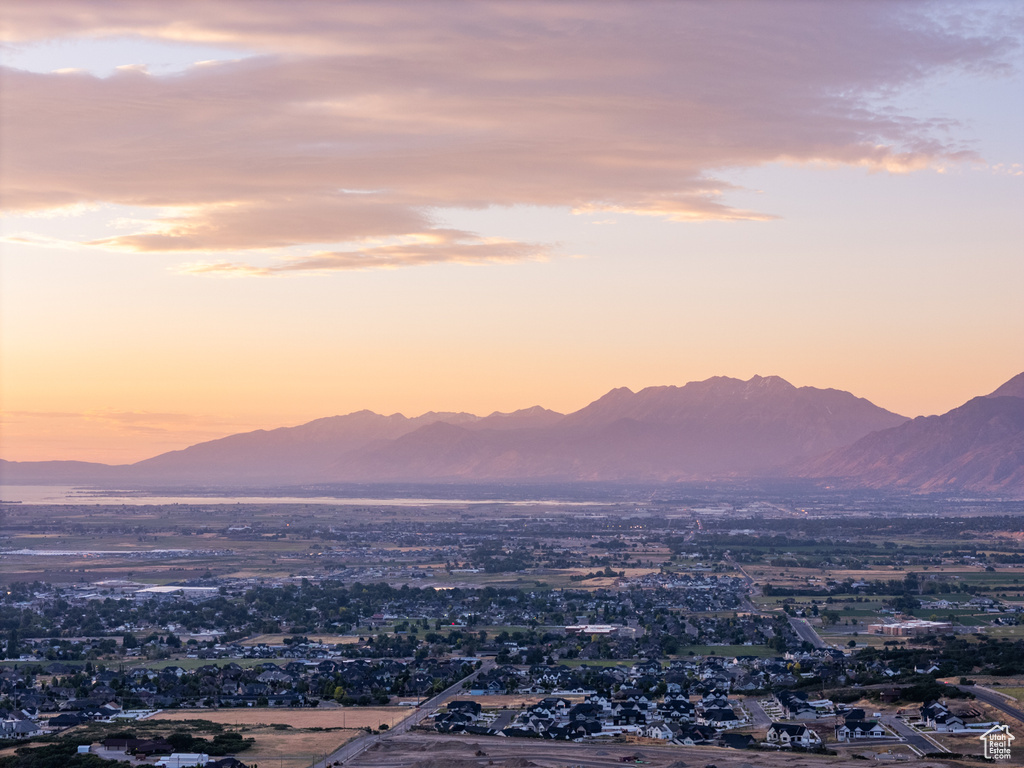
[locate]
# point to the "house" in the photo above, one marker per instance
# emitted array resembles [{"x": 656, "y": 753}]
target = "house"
[
  {"x": 471, "y": 709},
  {"x": 585, "y": 711},
  {"x": 66, "y": 720},
  {"x": 859, "y": 729},
  {"x": 555, "y": 704},
  {"x": 662, "y": 730},
  {"x": 676, "y": 711},
  {"x": 689, "y": 735},
  {"x": 947, "y": 722},
  {"x": 629, "y": 714},
  {"x": 938, "y": 717},
  {"x": 792, "y": 734},
  {"x": 14, "y": 728},
  {"x": 718, "y": 717},
  {"x": 795, "y": 706},
  {"x": 736, "y": 740}
]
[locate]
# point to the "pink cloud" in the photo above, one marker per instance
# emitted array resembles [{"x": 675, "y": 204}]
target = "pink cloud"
[
  {"x": 435, "y": 247},
  {"x": 426, "y": 106}
]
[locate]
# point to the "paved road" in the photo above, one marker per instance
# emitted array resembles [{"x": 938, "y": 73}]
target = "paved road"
[
  {"x": 504, "y": 720},
  {"x": 997, "y": 701},
  {"x": 807, "y": 632},
  {"x": 915, "y": 739},
  {"x": 758, "y": 717},
  {"x": 429, "y": 707}
]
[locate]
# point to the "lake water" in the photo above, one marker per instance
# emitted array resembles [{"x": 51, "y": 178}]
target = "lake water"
[{"x": 67, "y": 494}]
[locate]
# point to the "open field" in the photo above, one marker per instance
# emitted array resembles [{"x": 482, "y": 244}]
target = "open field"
[
  {"x": 1017, "y": 693},
  {"x": 278, "y": 639},
  {"x": 429, "y": 751},
  {"x": 864, "y": 640},
  {"x": 276, "y": 744},
  {"x": 964, "y": 743},
  {"x": 516, "y": 701},
  {"x": 291, "y": 748},
  {"x": 332, "y": 717},
  {"x": 884, "y": 751},
  {"x": 1013, "y": 633}
]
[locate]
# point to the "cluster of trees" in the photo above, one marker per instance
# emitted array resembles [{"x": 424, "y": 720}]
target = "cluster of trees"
[
  {"x": 957, "y": 655},
  {"x": 64, "y": 754}
]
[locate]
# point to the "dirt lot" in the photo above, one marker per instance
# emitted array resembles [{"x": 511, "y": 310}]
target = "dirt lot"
[
  {"x": 293, "y": 738},
  {"x": 884, "y": 752},
  {"x": 336, "y": 717},
  {"x": 516, "y": 701},
  {"x": 292, "y": 749},
  {"x": 424, "y": 751},
  {"x": 964, "y": 743},
  {"x": 283, "y": 738}
]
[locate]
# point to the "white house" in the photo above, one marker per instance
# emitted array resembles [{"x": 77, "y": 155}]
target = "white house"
[
  {"x": 859, "y": 729},
  {"x": 792, "y": 734}
]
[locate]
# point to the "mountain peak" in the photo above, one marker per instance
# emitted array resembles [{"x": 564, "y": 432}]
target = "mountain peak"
[
  {"x": 1013, "y": 388},
  {"x": 769, "y": 382}
]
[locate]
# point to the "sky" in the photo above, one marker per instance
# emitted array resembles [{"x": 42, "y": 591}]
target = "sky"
[{"x": 230, "y": 215}]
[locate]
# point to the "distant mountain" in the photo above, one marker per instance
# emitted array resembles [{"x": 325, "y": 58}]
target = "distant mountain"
[
  {"x": 978, "y": 447},
  {"x": 718, "y": 428},
  {"x": 285, "y": 455},
  {"x": 527, "y": 418},
  {"x": 1013, "y": 388},
  {"x": 721, "y": 427},
  {"x": 55, "y": 472}
]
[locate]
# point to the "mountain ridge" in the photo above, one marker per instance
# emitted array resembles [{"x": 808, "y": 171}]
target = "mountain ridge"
[
  {"x": 978, "y": 446},
  {"x": 717, "y": 427},
  {"x": 712, "y": 430}
]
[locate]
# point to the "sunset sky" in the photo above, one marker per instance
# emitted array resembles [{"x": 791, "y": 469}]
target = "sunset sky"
[{"x": 222, "y": 216}]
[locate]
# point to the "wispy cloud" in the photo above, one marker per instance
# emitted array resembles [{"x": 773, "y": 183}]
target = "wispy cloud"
[
  {"x": 433, "y": 247},
  {"x": 603, "y": 106},
  {"x": 39, "y": 435}
]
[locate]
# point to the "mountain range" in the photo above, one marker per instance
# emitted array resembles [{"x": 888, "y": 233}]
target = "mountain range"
[
  {"x": 976, "y": 447},
  {"x": 717, "y": 429}
]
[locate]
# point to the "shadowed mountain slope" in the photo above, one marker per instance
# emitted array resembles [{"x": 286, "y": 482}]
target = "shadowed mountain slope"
[
  {"x": 715, "y": 428},
  {"x": 977, "y": 447}
]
